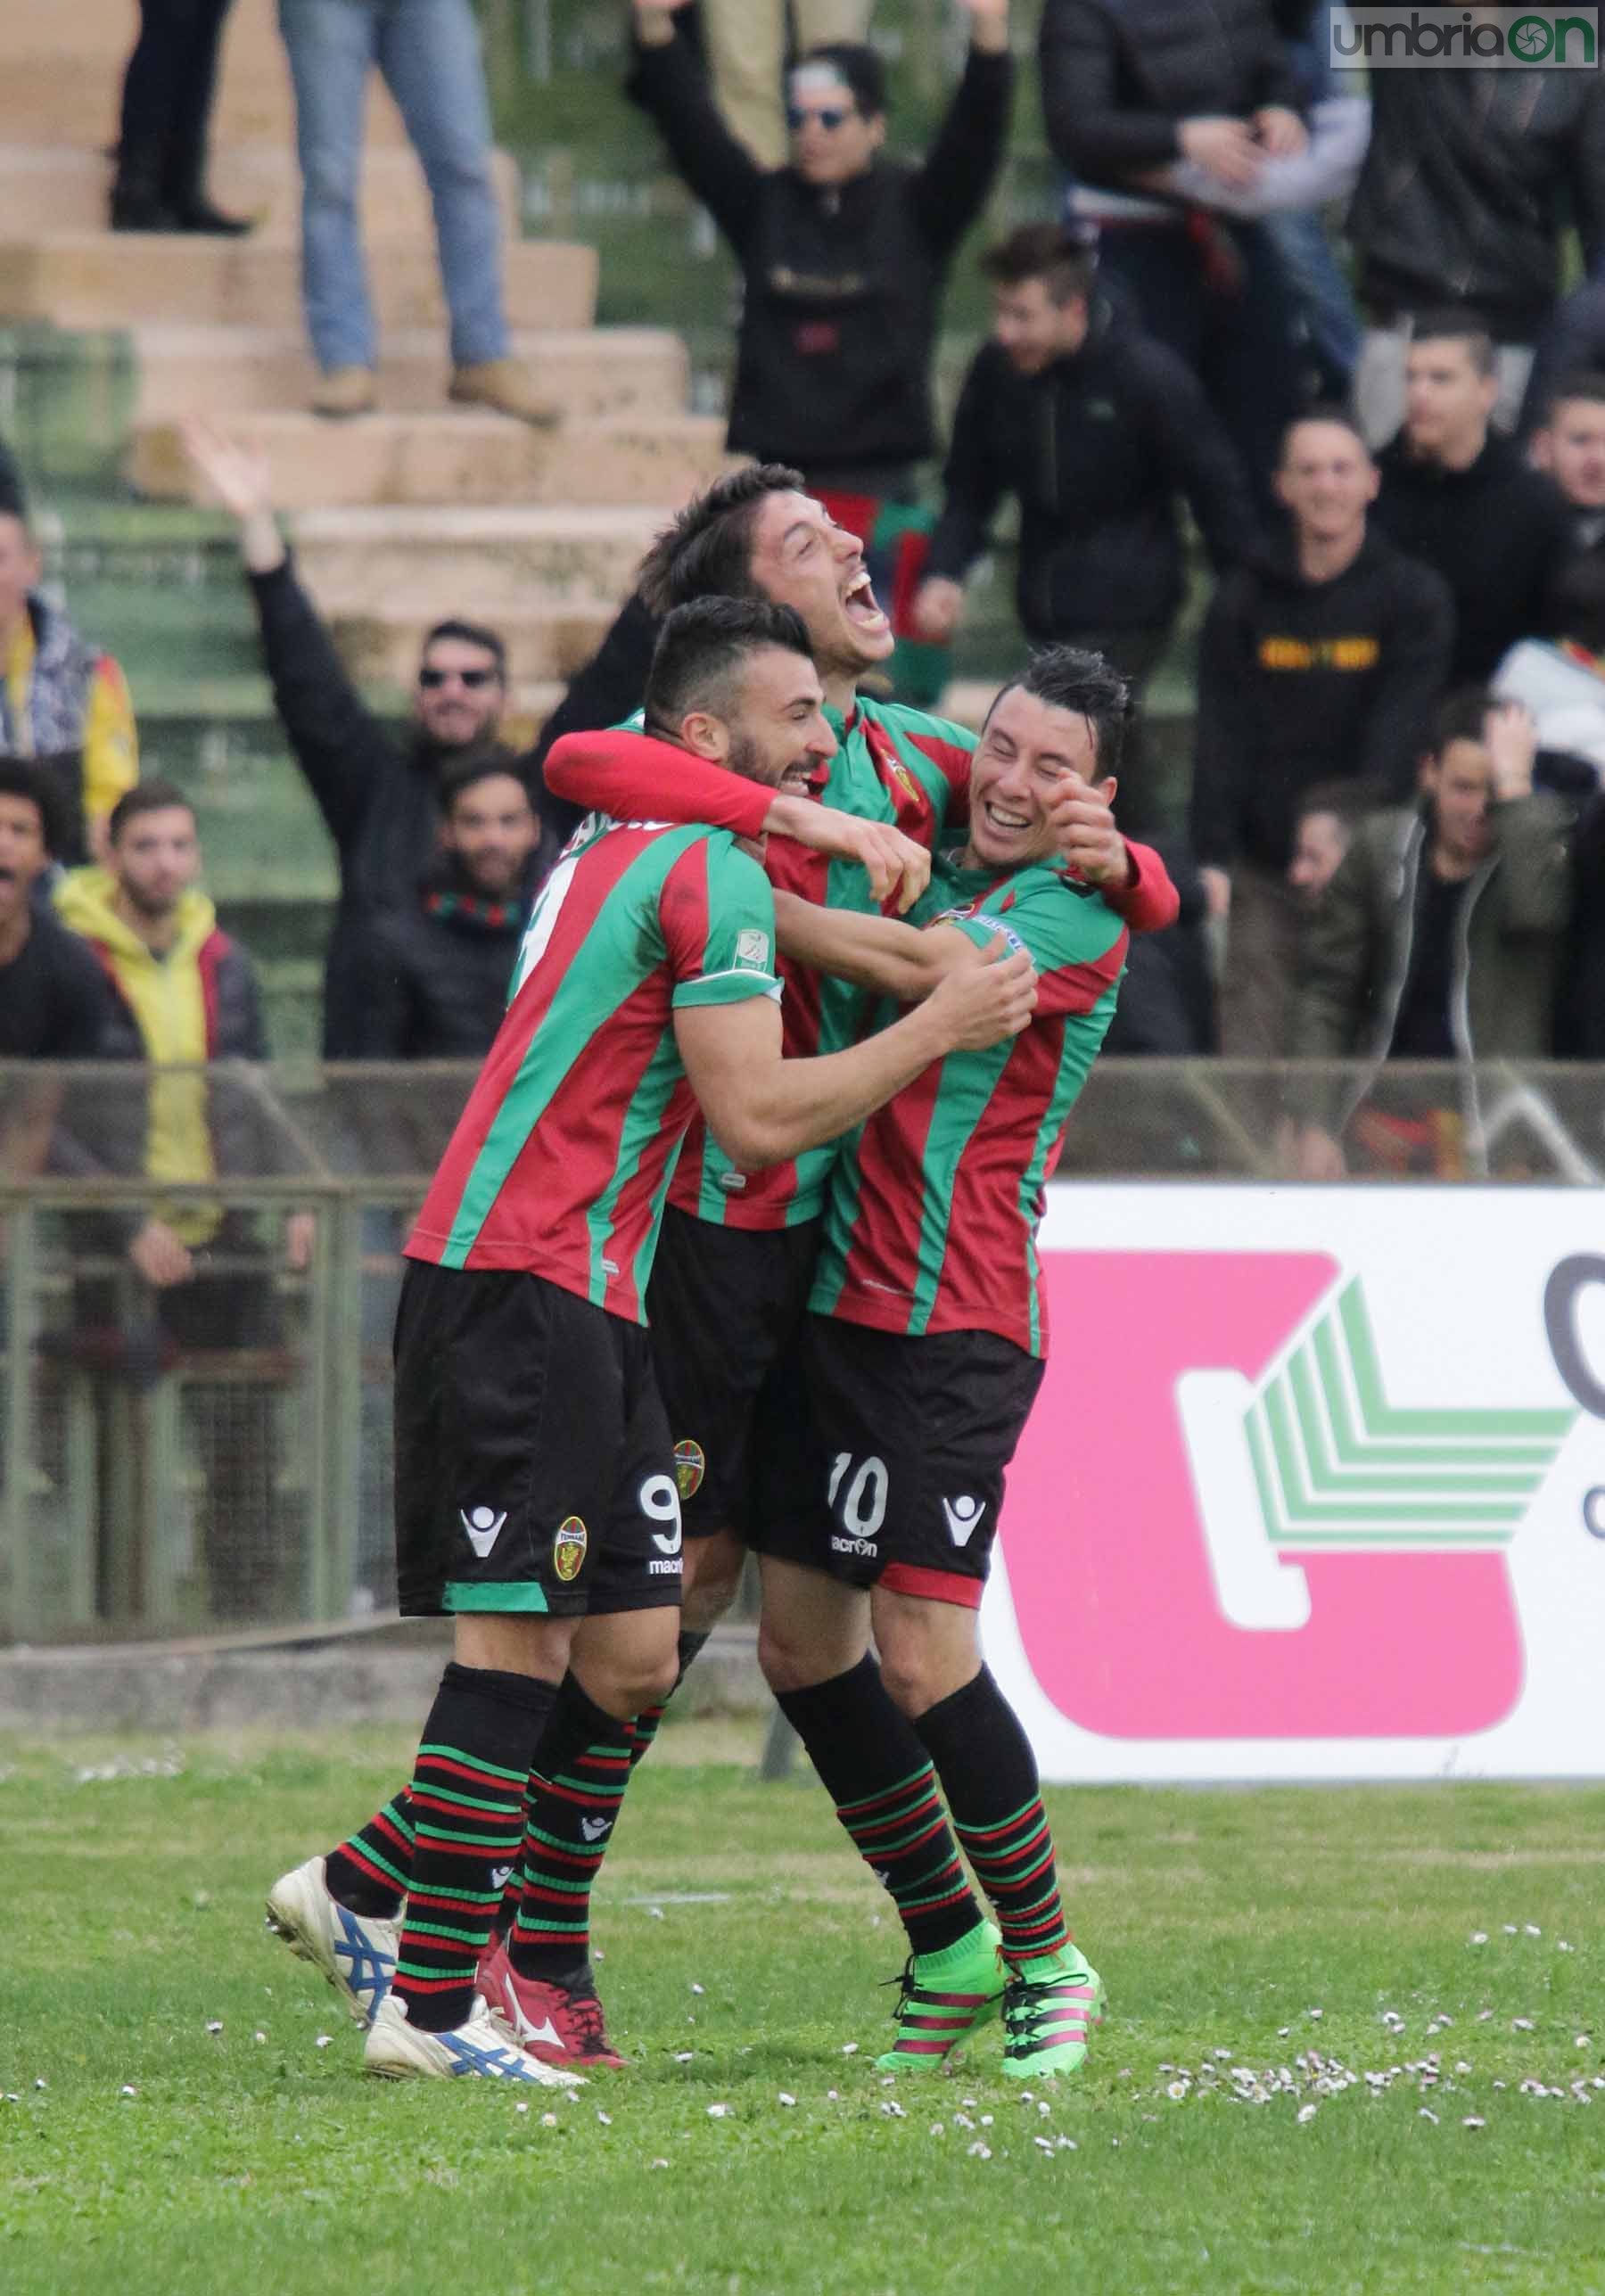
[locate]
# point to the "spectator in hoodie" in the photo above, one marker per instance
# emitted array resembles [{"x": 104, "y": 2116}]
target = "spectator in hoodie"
[
  {"x": 1100, "y": 434},
  {"x": 1129, "y": 88},
  {"x": 1439, "y": 938},
  {"x": 182, "y": 995},
  {"x": 440, "y": 969},
  {"x": 63, "y": 703},
  {"x": 1320, "y": 659},
  {"x": 1463, "y": 498},
  {"x": 1469, "y": 182},
  {"x": 376, "y": 787}
]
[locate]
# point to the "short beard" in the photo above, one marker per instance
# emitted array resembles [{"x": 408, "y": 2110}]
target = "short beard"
[{"x": 742, "y": 758}]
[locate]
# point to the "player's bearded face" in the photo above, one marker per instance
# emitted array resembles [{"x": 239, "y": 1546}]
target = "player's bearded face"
[
  {"x": 780, "y": 735},
  {"x": 801, "y": 558},
  {"x": 1028, "y": 750}
]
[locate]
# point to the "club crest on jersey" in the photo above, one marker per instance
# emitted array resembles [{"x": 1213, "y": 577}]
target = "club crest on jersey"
[
  {"x": 568, "y": 1548},
  {"x": 690, "y": 1465},
  {"x": 752, "y": 948}
]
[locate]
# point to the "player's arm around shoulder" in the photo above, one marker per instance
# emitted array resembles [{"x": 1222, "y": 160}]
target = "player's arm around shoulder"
[
  {"x": 762, "y": 1108},
  {"x": 1078, "y": 942},
  {"x": 905, "y": 961}
]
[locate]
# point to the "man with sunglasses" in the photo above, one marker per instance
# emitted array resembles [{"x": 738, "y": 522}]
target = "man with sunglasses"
[
  {"x": 376, "y": 786},
  {"x": 844, "y": 256}
]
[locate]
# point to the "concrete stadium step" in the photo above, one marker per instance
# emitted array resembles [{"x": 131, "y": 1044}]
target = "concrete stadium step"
[
  {"x": 499, "y": 558},
  {"x": 64, "y": 65},
  {"x": 103, "y": 279},
  {"x": 220, "y": 371},
  {"x": 460, "y": 456},
  {"x": 380, "y": 644},
  {"x": 53, "y": 187}
]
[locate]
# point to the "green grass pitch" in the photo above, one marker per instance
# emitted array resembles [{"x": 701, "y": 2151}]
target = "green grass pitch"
[{"x": 173, "y": 2118}]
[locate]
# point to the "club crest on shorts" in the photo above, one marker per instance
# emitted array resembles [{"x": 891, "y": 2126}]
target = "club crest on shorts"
[
  {"x": 568, "y": 1548},
  {"x": 690, "y": 1465}
]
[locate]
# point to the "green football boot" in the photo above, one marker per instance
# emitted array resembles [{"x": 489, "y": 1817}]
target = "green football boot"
[
  {"x": 1049, "y": 2012},
  {"x": 946, "y": 1997}
]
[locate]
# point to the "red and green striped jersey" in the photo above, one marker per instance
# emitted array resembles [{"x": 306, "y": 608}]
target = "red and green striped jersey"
[
  {"x": 931, "y": 1220},
  {"x": 561, "y": 1162},
  {"x": 891, "y": 764}
]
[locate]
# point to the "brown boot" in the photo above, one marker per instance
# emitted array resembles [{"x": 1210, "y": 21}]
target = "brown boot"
[
  {"x": 345, "y": 390},
  {"x": 506, "y": 387}
]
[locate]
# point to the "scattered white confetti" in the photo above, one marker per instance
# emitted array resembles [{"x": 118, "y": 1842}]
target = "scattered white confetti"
[
  {"x": 1426, "y": 2113},
  {"x": 1562, "y": 1947},
  {"x": 1178, "y": 2089},
  {"x": 962, "y": 2120},
  {"x": 1044, "y": 2107},
  {"x": 1479, "y": 1936},
  {"x": 891, "y": 2109},
  {"x": 548, "y": 2120},
  {"x": 717, "y": 2111},
  {"x": 258, "y": 2036},
  {"x": 850, "y": 2048},
  {"x": 606, "y": 2119},
  {"x": 1472, "y": 2121},
  {"x": 986, "y": 2121},
  {"x": 969, "y": 2104},
  {"x": 1521, "y": 2024},
  {"x": 1484, "y": 2015},
  {"x": 980, "y": 2153},
  {"x": 1317, "y": 2013},
  {"x": 322, "y": 2040},
  {"x": 835, "y": 2095},
  {"x": 938, "y": 2128},
  {"x": 1534, "y": 1930},
  {"x": 1462, "y": 2065},
  {"x": 215, "y": 2025},
  {"x": 129, "y": 2090},
  {"x": 1066, "y": 2145},
  {"x": 1500, "y": 2084},
  {"x": 1510, "y": 1928},
  {"x": 1584, "y": 2041},
  {"x": 41, "y": 2083},
  {"x": 1282, "y": 2031},
  {"x": 1308, "y": 2112},
  {"x": 697, "y": 1988},
  {"x": 1043, "y": 2144},
  {"x": 521, "y": 2107},
  {"x": 660, "y": 2164},
  {"x": 684, "y": 2056},
  {"x": 786, "y": 2097},
  {"x": 655, "y": 1913}
]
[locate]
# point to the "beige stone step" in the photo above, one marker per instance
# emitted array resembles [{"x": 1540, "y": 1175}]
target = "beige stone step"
[
  {"x": 460, "y": 456},
  {"x": 63, "y": 71},
  {"x": 223, "y": 371},
  {"x": 53, "y": 187},
  {"x": 102, "y": 279},
  {"x": 381, "y": 643},
  {"x": 502, "y": 560}
]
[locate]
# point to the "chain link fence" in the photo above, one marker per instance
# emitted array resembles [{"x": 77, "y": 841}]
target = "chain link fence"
[{"x": 179, "y": 1457}]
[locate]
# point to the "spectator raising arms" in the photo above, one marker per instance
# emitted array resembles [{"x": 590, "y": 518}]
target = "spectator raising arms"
[
  {"x": 377, "y": 789},
  {"x": 62, "y": 704},
  {"x": 1100, "y": 433},
  {"x": 1462, "y": 499},
  {"x": 1321, "y": 660},
  {"x": 745, "y": 41},
  {"x": 843, "y": 253},
  {"x": 1130, "y": 87}
]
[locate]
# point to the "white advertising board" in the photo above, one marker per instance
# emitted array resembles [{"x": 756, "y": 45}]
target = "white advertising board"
[{"x": 1314, "y": 1487}]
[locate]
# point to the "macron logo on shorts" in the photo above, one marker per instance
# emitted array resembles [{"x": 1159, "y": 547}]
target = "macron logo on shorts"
[
  {"x": 483, "y": 1527},
  {"x": 963, "y": 1517}
]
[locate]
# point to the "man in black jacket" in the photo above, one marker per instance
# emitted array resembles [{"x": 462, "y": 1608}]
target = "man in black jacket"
[
  {"x": 1468, "y": 183},
  {"x": 1098, "y": 430},
  {"x": 1461, "y": 498},
  {"x": 1321, "y": 660},
  {"x": 441, "y": 968},
  {"x": 1130, "y": 87},
  {"x": 377, "y": 789}
]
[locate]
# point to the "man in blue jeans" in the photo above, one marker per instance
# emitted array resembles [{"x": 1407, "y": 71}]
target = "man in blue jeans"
[{"x": 428, "y": 52}]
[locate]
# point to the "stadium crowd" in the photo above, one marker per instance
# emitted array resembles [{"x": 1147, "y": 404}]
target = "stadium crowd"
[{"x": 1294, "y": 356}]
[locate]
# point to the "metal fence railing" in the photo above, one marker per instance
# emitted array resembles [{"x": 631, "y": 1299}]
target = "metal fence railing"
[{"x": 217, "y": 1451}]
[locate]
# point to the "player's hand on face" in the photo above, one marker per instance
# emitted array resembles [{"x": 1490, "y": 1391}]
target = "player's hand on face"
[
  {"x": 937, "y": 607},
  {"x": 983, "y": 1003},
  {"x": 1085, "y": 834},
  {"x": 161, "y": 1257}
]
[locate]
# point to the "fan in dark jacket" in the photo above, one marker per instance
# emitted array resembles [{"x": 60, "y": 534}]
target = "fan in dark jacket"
[
  {"x": 1469, "y": 182},
  {"x": 1462, "y": 498},
  {"x": 1438, "y": 939},
  {"x": 1130, "y": 86},
  {"x": 1321, "y": 659},
  {"x": 441, "y": 968},
  {"x": 377, "y": 786},
  {"x": 1099, "y": 432}
]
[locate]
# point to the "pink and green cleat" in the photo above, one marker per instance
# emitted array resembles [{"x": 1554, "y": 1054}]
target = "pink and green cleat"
[
  {"x": 946, "y": 1997},
  {"x": 1049, "y": 2012}
]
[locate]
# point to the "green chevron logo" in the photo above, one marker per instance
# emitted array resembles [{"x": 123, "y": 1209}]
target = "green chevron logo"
[{"x": 1338, "y": 1465}]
